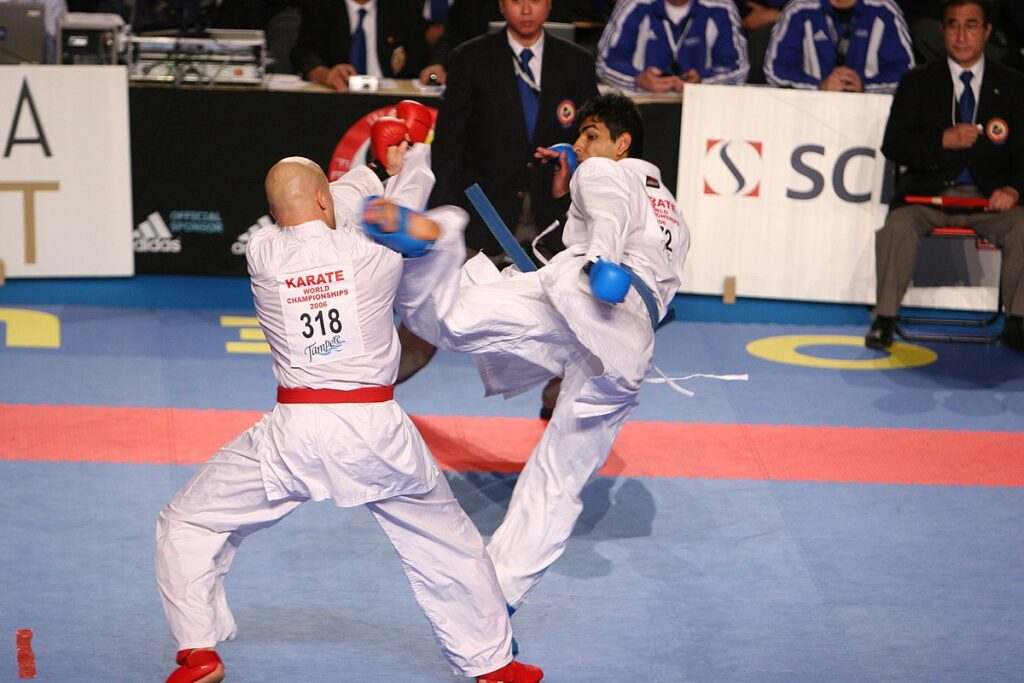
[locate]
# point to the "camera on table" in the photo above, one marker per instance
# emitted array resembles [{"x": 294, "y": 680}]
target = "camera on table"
[{"x": 363, "y": 83}]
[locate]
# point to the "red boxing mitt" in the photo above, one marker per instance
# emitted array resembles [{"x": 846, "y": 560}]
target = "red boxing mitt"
[
  {"x": 387, "y": 131},
  {"x": 417, "y": 118}
]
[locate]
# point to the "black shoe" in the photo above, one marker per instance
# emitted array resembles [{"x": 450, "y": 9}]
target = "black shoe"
[
  {"x": 1012, "y": 335},
  {"x": 416, "y": 353},
  {"x": 549, "y": 397},
  {"x": 880, "y": 334}
]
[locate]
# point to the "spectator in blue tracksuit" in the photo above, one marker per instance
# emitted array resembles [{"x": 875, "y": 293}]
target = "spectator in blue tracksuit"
[
  {"x": 848, "y": 45},
  {"x": 659, "y": 45}
]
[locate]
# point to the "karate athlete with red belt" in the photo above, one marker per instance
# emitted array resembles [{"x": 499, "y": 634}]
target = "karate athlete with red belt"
[
  {"x": 324, "y": 294},
  {"x": 582, "y": 317}
]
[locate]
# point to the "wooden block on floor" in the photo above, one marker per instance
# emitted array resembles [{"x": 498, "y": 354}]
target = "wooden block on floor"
[{"x": 729, "y": 291}]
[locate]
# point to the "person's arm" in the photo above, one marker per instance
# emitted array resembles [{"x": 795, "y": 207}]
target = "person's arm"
[
  {"x": 306, "y": 54},
  {"x": 895, "y": 56},
  {"x": 450, "y": 132},
  {"x": 413, "y": 29},
  {"x": 412, "y": 186},
  {"x": 1015, "y": 186},
  {"x": 351, "y": 190},
  {"x": 458, "y": 28},
  {"x": 615, "y": 50},
  {"x": 759, "y": 15},
  {"x": 907, "y": 140},
  {"x": 784, "y": 59},
  {"x": 602, "y": 196},
  {"x": 730, "y": 63}
]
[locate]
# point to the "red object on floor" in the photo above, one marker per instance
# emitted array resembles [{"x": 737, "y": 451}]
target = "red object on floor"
[
  {"x": 26, "y": 658},
  {"x": 513, "y": 672},
  {"x": 195, "y": 665}
]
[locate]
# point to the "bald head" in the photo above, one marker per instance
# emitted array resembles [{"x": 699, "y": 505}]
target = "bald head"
[{"x": 297, "y": 191}]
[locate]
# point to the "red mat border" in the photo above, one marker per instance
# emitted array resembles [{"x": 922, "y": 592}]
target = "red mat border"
[{"x": 499, "y": 444}]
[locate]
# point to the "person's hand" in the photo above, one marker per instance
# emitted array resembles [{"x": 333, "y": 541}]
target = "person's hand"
[
  {"x": 690, "y": 76},
  {"x": 396, "y": 158},
  {"x": 851, "y": 79},
  {"x": 434, "y": 70},
  {"x": 960, "y": 136},
  {"x": 560, "y": 182},
  {"x": 652, "y": 79},
  {"x": 759, "y": 16},
  {"x": 842, "y": 79},
  {"x": 1003, "y": 199},
  {"x": 336, "y": 78},
  {"x": 389, "y": 140}
]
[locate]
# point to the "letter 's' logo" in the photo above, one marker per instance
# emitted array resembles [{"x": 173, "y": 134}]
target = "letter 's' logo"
[{"x": 733, "y": 167}]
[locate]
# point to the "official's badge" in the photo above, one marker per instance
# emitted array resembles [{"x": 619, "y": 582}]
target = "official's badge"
[
  {"x": 997, "y": 130},
  {"x": 566, "y": 113},
  {"x": 398, "y": 59}
]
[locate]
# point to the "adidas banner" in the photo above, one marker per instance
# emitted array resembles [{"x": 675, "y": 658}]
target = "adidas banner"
[
  {"x": 65, "y": 179},
  {"x": 199, "y": 158}
]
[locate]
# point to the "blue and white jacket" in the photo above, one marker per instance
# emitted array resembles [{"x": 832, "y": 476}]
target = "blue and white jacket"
[
  {"x": 637, "y": 37},
  {"x": 802, "y": 50}
]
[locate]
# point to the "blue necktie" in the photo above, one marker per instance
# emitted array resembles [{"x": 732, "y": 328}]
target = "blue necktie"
[
  {"x": 357, "y": 53},
  {"x": 527, "y": 94},
  {"x": 966, "y": 107},
  {"x": 438, "y": 11}
]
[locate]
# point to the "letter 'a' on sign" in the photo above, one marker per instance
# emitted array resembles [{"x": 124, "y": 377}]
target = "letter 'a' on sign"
[{"x": 30, "y": 329}]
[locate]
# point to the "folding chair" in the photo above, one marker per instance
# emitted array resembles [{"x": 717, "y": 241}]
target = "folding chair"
[{"x": 952, "y": 232}]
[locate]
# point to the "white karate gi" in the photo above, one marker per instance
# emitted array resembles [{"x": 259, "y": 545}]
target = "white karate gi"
[
  {"x": 350, "y": 454},
  {"x": 528, "y": 327}
]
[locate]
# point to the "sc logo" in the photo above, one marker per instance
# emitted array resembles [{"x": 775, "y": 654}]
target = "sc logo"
[
  {"x": 733, "y": 167},
  {"x": 802, "y": 161}
]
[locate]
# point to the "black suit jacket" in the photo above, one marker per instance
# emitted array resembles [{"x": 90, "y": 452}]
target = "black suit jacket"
[
  {"x": 325, "y": 36},
  {"x": 480, "y": 135},
  {"x": 924, "y": 106}
]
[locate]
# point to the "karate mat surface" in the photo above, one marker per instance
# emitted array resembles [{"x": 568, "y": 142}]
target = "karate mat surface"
[{"x": 822, "y": 521}]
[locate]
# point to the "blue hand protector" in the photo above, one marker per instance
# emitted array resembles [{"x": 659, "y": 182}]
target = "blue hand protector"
[
  {"x": 399, "y": 241},
  {"x": 608, "y": 281},
  {"x": 570, "y": 154}
]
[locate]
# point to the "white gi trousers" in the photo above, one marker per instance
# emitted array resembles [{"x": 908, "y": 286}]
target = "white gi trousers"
[
  {"x": 441, "y": 551},
  {"x": 519, "y": 340},
  {"x": 546, "y": 500}
]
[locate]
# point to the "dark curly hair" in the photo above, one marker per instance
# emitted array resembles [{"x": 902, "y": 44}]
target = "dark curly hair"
[{"x": 620, "y": 115}]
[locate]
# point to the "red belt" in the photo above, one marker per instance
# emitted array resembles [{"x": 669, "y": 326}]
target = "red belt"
[{"x": 361, "y": 395}]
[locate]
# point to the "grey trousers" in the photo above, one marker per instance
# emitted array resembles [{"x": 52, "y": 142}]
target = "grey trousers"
[{"x": 896, "y": 251}]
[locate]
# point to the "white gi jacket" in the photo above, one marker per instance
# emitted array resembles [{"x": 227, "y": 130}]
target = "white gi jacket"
[
  {"x": 612, "y": 216},
  {"x": 324, "y": 299},
  {"x": 526, "y": 327}
]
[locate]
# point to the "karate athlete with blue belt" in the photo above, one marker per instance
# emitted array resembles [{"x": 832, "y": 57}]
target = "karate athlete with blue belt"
[
  {"x": 324, "y": 294},
  {"x": 582, "y": 317}
]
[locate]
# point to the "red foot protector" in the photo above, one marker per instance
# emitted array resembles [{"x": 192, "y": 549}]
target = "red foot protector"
[
  {"x": 196, "y": 666},
  {"x": 26, "y": 658},
  {"x": 513, "y": 672}
]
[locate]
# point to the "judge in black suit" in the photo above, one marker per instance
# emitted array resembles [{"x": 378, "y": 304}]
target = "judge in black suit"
[
  {"x": 341, "y": 38},
  {"x": 497, "y": 110},
  {"x": 957, "y": 126},
  {"x": 468, "y": 19}
]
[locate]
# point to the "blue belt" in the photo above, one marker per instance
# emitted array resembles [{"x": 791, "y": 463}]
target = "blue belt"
[{"x": 525, "y": 264}]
